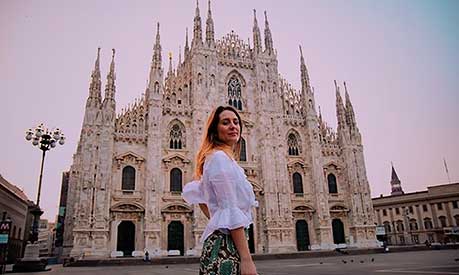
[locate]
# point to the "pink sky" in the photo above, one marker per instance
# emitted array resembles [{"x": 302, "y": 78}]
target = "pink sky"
[{"x": 399, "y": 59}]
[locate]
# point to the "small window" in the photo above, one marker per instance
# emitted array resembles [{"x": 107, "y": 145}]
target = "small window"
[
  {"x": 332, "y": 186},
  {"x": 384, "y": 212},
  {"x": 411, "y": 209},
  {"x": 428, "y": 223},
  {"x": 455, "y": 205},
  {"x": 176, "y": 180},
  {"x": 387, "y": 227},
  {"x": 297, "y": 183},
  {"x": 400, "y": 226},
  {"x": 413, "y": 225},
  {"x": 243, "y": 151},
  {"x": 424, "y": 207},
  {"x": 442, "y": 221},
  {"x": 397, "y": 211},
  {"x": 440, "y": 206},
  {"x": 128, "y": 178},
  {"x": 402, "y": 239}
]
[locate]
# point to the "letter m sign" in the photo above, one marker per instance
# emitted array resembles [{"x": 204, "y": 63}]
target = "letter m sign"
[{"x": 5, "y": 227}]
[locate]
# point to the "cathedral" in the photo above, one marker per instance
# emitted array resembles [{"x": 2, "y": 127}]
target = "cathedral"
[{"x": 130, "y": 167}]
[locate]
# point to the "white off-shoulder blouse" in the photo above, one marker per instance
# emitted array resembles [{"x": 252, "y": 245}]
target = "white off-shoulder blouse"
[{"x": 226, "y": 191}]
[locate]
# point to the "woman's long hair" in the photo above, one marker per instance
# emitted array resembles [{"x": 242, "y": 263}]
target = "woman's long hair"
[{"x": 210, "y": 141}]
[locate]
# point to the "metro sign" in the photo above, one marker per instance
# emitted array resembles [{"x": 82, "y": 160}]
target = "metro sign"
[{"x": 5, "y": 228}]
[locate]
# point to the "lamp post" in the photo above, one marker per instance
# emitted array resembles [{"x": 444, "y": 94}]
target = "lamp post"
[{"x": 46, "y": 140}]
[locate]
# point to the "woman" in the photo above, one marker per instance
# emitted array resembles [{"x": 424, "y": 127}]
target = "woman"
[{"x": 224, "y": 195}]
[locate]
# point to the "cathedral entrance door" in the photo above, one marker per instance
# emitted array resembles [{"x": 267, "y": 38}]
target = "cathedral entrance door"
[
  {"x": 338, "y": 231},
  {"x": 251, "y": 240},
  {"x": 175, "y": 236},
  {"x": 302, "y": 235},
  {"x": 126, "y": 238}
]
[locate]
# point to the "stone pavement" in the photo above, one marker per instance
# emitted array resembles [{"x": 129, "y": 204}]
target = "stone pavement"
[{"x": 436, "y": 262}]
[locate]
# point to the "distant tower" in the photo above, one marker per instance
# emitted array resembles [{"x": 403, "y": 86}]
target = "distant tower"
[{"x": 396, "y": 184}]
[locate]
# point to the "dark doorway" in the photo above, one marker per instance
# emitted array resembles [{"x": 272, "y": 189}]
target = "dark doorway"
[
  {"x": 338, "y": 231},
  {"x": 302, "y": 235},
  {"x": 126, "y": 238},
  {"x": 175, "y": 236},
  {"x": 251, "y": 239}
]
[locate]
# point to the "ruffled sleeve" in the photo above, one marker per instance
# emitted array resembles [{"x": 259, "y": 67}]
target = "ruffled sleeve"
[
  {"x": 193, "y": 193},
  {"x": 223, "y": 180}
]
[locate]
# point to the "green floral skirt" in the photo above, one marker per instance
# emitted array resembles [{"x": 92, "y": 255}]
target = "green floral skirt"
[{"x": 219, "y": 256}]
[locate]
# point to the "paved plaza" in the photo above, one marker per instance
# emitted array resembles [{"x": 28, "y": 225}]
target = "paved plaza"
[{"x": 420, "y": 262}]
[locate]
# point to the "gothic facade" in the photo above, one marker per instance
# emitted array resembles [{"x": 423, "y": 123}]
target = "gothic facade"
[{"x": 129, "y": 168}]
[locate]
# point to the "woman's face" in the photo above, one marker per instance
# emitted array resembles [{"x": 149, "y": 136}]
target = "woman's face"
[{"x": 228, "y": 129}]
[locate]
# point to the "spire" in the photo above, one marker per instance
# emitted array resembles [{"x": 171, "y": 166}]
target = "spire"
[
  {"x": 395, "y": 183},
  {"x": 110, "y": 87},
  {"x": 268, "y": 37},
  {"x": 256, "y": 34},
  {"x": 187, "y": 48},
  {"x": 320, "y": 116},
  {"x": 340, "y": 112},
  {"x": 156, "y": 62},
  {"x": 350, "y": 116},
  {"x": 210, "y": 34},
  {"x": 304, "y": 73},
  {"x": 179, "y": 56},
  {"x": 170, "y": 72},
  {"x": 197, "y": 29},
  {"x": 95, "y": 86}
]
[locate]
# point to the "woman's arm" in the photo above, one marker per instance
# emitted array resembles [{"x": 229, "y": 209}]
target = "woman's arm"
[
  {"x": 204, "y": 209},
  {"x": 239, "y": 239}
]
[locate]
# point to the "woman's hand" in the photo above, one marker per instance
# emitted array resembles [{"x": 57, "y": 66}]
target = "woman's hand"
[
  {"x": 240, "y": 241},
  {"x": 204, "y": 209},
  {"x": 248, "y": 267}
]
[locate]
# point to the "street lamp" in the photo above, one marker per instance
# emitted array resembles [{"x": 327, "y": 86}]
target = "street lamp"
[{"x": 45, "y": 139}]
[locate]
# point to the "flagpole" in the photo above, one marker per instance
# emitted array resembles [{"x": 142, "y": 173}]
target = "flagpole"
[{"x": 446, "y": 169}]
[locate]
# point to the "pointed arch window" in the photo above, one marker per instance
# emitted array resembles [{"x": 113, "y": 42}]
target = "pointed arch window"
[
  {"x": 293, "y": 145},
  {"x": 176, "y": 180},
  {"x": 297, "y": 183},
  {"x": 176, "y": 137},
  {"x": 128, "y": 178},
  {"x": 243, "y": 152},
  {"x": 235, "y": 92},
  {"x": 332, "y": 187}
]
